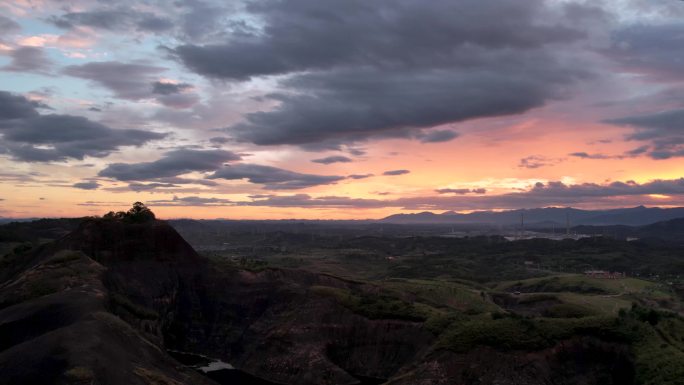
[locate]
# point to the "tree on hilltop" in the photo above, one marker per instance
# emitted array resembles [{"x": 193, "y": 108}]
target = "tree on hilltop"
[{"x": 139, "y": 213}]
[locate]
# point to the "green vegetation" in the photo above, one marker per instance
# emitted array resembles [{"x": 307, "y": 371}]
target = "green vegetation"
[
  {"x": 568, "y": 310},
  {"x": 442, "y": 294},
  {"x": 378, "y": 306},
  {"x": 227, "y": 264},
  {"x": 80, "y": 375},
  {"x": 658, "y": 350},
  {"x": 608, "y": 305},
  {"x": 517, "y": 333},
  {"x": 576, "y": 283}
]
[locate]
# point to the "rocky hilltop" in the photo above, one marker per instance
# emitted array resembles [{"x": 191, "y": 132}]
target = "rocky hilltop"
[{"x": 106, "y": 303}]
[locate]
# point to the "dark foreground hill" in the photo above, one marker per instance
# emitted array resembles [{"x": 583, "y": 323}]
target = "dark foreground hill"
[{"x": 106, "y": 303}]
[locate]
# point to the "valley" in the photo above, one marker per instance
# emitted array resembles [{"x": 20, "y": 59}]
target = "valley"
[{"x": 116, "y": 301}]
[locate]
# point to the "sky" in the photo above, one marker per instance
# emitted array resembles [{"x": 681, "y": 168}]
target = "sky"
[{"x": 339, "y": 109}]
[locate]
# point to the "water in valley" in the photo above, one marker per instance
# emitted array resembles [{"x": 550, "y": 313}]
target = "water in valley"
[
  {"x": 225, "y": 374},
  {"x": 219, "y": 371}
]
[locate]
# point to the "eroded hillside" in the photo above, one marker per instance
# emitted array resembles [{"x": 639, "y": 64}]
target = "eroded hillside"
[{"x": 106, "y": 303}]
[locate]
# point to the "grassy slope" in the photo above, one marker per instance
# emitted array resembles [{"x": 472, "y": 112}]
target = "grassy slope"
[{"x": 463, "y": 319}]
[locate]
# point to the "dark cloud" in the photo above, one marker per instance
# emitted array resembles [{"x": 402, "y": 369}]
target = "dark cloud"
[
  {"x": 179, "y": 100},
  {"x": 461, "y": 191},
  {"x": 260, "y": 196},
  {"x": 375, "y": 69},
  {"x": 356, "y": 104},
  {"x": 638, "y": 151},
  {"x": 356, "y": 151},
  {"x": 172, "y": 164},
  {"x": 178, "y": 180},
  {"x": 540, "y": 195},
  {"x": 152, "y": 23},
  {"x": 664, "y": 130},
  {"x": 137, "y": 187},
  {"x": 537, "y": 161},
  {"x": 134, "y": 81},
  {"x": 332, "y": 159},
  {"x": 67, "y": 136},
  {"x": 319, "y": 35},
  {"x": 174, "y": 183},
  {"x": 125, "y": 80},
  {"x": 437, "y": 136},
  {"x": 87, "y": 185},
  {"x": 30, "y": 136},
  {"x": 203, "y": 20},
  {"x": 652, "y": 49},
  {"x": 653, "y": 126},
  {"x": 585, "y": 155},
  {"x": 114, "y": 19},
  {"x": 627, "y": 154},
  {"x": 588, "y": 190},
  {"x": 396, "y": 172},
  {"x": 165, "y": 88},
  {"x": 8, "y": 26},
  {"x": 191, "y": 201},
  {"x": 273, "y": 178},
  {"x": 17, "y": 107},
  {"x": 305, "y": 200},
  {"x": 219, "y": 140},
  {"x": 18, "y": 178},
  {"x": 360, "y": 176},
  {"x": 28, "y": 59}
]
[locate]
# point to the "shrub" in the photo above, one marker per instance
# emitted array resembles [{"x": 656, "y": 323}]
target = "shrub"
[
  {"x": 568, "y": 310},
  {"x": 79, "y": 374},
  {"x": 139, "y": 213}
]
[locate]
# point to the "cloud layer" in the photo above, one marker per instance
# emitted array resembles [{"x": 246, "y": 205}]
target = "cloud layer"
[
  {"x": 273, "y": 178},
  {"x": 30, "y": 136},
  {"x": 363, "y": 70},
  {"x": 173, "y": 163}
]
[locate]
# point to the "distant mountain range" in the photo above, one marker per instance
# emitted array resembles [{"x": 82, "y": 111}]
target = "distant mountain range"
[{"x": 558, "y": 216}]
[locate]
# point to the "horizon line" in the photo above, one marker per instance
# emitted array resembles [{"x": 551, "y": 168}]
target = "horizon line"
[{"x": 440, "y": 212}]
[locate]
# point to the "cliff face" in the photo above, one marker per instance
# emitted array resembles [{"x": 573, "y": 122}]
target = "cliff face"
[
  {"x": 56, "y": 328},
  {"x": 103, "y": 303},
  {"x": 267, "y": 323},
  {"x": 270, "y": 323}
]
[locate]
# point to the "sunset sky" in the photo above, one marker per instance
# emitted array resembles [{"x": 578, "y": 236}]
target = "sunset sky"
[{"x": 339, "y": 109}]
